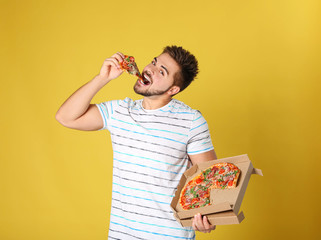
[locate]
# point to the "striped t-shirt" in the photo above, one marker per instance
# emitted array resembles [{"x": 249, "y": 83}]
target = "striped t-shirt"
[{"x": 151, "y": 150}]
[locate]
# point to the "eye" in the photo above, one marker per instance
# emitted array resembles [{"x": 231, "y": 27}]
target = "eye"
[
  {"x": 161, "y": 72},
  {"x": 153, "y": 62}
]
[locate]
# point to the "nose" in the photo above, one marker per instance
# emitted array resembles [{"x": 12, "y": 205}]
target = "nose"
[{"x": 151, "y": 70}]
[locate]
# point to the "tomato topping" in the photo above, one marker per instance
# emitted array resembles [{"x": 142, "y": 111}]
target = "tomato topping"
[
  {"x": 198, "y": 180},
  {"x": 195, "y": 200},
  {"x": 203, "y": 193}
]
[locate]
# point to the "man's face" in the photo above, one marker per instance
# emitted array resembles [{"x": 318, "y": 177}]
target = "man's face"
[{"x": 158, "y": 76}]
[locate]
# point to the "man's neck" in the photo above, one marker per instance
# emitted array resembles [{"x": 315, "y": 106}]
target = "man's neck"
[{"x": 151, "y": 103}]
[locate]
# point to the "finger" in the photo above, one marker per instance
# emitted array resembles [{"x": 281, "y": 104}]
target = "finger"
[
  {"x": 121, "y": 55},
  {"x": 113, "y": 62},
  {"x": 199, "y": 222},
  {"x": 206, "y": 224},
  {"x": 194, "y": 224},
  {"x": 112, "y": 59},
  {"x": 118, "y": 57}
]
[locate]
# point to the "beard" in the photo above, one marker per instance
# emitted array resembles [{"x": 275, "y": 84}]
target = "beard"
[{"x": 148, "y": 93}]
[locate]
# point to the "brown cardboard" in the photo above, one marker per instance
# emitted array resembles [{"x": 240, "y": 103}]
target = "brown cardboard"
[
  {"x": 225, "y": 204},
  {"x": 224, "y": 218}
]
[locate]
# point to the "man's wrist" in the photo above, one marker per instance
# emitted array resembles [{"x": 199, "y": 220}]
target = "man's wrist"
[{"x": 101, "y": 81}]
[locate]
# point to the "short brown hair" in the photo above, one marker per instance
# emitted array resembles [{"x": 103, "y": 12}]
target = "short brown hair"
[{"x": 188, "y": 66}]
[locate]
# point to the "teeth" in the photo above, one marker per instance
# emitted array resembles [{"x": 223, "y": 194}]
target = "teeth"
[
  {"x": 145, "y": 80},
  {"x": 147, "y": 77}
]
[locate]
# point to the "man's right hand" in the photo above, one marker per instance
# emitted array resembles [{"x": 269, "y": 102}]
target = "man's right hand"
[
  {"x": 111, "y": 67},
  {"x": 77, "y": 112}
]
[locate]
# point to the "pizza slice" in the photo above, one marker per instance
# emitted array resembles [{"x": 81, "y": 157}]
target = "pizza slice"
[
  {"x": 129, "y": 65},
  {"x": 226, "y": 176}
]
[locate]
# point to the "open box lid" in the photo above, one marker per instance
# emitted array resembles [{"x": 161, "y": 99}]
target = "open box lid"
[{"x": 221, "y": 200}]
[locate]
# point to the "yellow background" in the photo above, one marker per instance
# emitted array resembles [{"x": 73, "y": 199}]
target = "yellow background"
[{"x": 258, "y": 88}]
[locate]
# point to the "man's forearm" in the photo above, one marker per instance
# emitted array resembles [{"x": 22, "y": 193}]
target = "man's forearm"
[{"x": 78, "y": 103}]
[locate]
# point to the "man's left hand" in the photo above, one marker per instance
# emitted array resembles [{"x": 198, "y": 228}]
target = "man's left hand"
[{"x": 201, "y": 224}]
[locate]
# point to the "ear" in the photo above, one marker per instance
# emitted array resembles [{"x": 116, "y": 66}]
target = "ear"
[{"x": 173, "y": 90}]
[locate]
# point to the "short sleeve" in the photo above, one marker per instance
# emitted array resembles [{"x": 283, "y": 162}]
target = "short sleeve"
[
  {"x": 106, "y": 110},
  {"x": 199, "y": 136}
]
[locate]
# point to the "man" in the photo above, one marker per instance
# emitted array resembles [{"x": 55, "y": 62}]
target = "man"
[{"x": 155, "y": 140}]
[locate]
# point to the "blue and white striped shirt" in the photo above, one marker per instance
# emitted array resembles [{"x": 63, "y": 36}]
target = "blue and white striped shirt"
[{"x": 151, "y": 150}]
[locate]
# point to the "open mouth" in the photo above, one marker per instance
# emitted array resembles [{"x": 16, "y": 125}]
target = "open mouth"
[{"x": 146, "y": 79}]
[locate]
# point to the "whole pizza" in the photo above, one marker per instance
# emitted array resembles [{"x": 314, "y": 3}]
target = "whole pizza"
[{"x": 196, "y": 192}]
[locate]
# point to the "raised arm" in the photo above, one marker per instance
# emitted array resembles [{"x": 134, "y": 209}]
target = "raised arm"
[{"x": 77, "y": 112}]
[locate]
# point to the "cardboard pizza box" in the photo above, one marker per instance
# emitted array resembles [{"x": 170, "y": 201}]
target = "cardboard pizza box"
[{"x": 225, "y": 203}]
